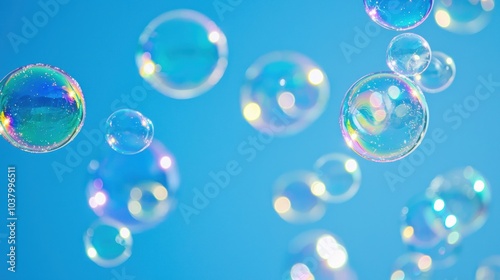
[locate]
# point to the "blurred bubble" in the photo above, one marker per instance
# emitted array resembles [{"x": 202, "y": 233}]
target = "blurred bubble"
[
  {"x": 182, "y": 54},
  {"x": 135, "y": 190},
  {"x": 284, "y": 92},
  {"x": 463, "y": 16},
  {"x": 41, "y": 108},
  {"x": 340, "y": 175},
  {"x": 128, "y": 131},
  {"x": 384, "y": 117},
  {"x": 439, "y": 75},
  {"x": 398, "y": 15},
  {"x": 445, "y": 253},
  {"x": 408, "y": 54},
  {"x": 108, "y": 244},
  {"x": 489, "y": 269},
  {"x": 412, "y": 266}
]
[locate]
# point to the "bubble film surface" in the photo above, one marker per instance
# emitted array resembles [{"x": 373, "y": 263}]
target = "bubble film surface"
[
  {"x": 463, "y": 16},
  {"x": 128, "y": 131},
  {"x": 398, "y": 15},
  {"x": 439, "y": 75},
  {"x": 408, "y": 54}
]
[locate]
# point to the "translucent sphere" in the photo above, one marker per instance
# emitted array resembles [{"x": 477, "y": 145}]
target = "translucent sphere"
[
  {"x": 182, "y": 54},
  {"x": 108, "y": 244},
  {"x": 297, "y": 197},
  {"x": 128, "y": 131},
  {"x": 408, "y": 54},
  {"x": 283, "y": 93},
  {"x": 384, "y": 117},
  {"x": 489, "y": 269},
  {"x": 439, "y": 75},
  {"x": 412, "y": 266},
  {"x": 41, "y": 108},
  {"x": 398, "y": 15},
  {"x": 463, "y": 16},
  {"x": 340, "y": 175},
  {"x": 136, "y": 190}
]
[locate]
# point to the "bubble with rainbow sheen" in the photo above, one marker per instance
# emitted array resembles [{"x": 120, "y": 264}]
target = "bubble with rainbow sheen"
[
  {"x": 398, "y": 15},
  {"x": 182, "y": 54},
  {"x": 408, "y": 54},
  {"x": 463, "y": 16},
  {"x": 489, "y": 269},
  {"x": 340, "y": 175},
  {"x": 439, "y": 75},
  {"x": 296, "y": 197},
  {"x": 128, "y": 131},
  {"x": 135, "y": 190},
  {"x": 384, "y": 117},
  {"x": 412, "y": 266},
  {"x": 42, "y": 108},
  {"x": 107, "y": 243},
  {"x": 283, "y": 93}
]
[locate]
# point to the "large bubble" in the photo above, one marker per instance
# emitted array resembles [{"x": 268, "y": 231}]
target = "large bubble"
[{"x": 398, "y": 15}]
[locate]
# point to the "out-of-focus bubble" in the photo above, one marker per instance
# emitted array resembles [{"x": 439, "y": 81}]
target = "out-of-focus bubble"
[
  {"x": 445, "y": 253},
  {"x": 128, "y": 131},
  {"x": 412, "y": 266},
  {"x": 408, "y": 54},
  {"x": 135, "y": 190},
  {"x": 41, "y": 108},
  {"x": 463, "y": 16},
  {"x": 108, "y": 244},
  {"x": 182, "y": 54},
  {"x": 384, "y": 117},
  {"x": 439, "y": 75},
  {"x": 398, "y": 15},
  {"x": 283, "y": 93},
  {"x": 489, "y": 269},
  {"x": 340, "y": 175}
]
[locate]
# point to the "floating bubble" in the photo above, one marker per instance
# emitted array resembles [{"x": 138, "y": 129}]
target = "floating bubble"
[
  {"x": 439, "y": 75},
  {"x": 463, "y": 16},
  {"x": 41, "y": 108},
  {"x": 398, "y": 15},
  {"x": 489, "y": 269},
  {"x": 182, "y": 54},
  {"x": 340, "y": 175},
  {"x": 284, "y": 92},
  {"x": 412, "y": 266},
  {"x": 108, "y": 244},
  {"x": 408, "y": 54},
  {"x": 128, "y": 131},
  {"x": 384, "y": 117}
]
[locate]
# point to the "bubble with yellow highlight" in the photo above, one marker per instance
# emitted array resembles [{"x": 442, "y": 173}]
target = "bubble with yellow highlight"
[
  {"x": 128, "y": 131},
  {"x": 283, "y": 93},
  {"x": 41, "y": 108},
  {"x": 182, "y": 54},
  {"x": 439, "y": 75},
  {"x": 412, "y": 266},
  {"x": 489, "y": 269},
  {"x": 463, "y": 16}
]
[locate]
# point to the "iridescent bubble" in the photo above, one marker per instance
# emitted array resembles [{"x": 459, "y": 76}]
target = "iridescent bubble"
[
  {"x": 408, "y": 54},
  {"x": 439, "y": 75},
  {"x": 489, "y": 269},
  {"x": 182, "y": 54},
  {"x": 128, "y": 131},
  {"x": 412, "y": 266},
  {"x": 398, "y": 15},
  {"x": 41, "y": 108},
  {"x": 340, "y": 175},
  {"x": 297, "y": 197},
  {"x": 108, "y": 244},
  {"x": 284, "y": 92},
  {"x": 463, "y": 16},
  {"x": 136, "y": 190},
  {"x": 384, "y": 117}
]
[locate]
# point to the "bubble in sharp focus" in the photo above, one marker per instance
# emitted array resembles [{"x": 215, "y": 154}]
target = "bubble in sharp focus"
[
  {"x": 408, "y": 54},
  {"x": 182, "y": 54},
  {"x": 340, "y": 176},
  {"x": 41, "y": 108},
  {"x": 283, "y": 93},
  {"x": 439, "y": 75},
  {"x": 412, "y": 266},
  {"x": 136, "y": 190},
  {"x": 128, "y": 131},
  {"x": 398, "y": 15},
  {"x": 489, "y": 269},
  {"x": 296, "y": 197},
  {"x": 108, "y": 244},
  {"x": 463, "y": 16},
  {"x": 384, "y": 117}
]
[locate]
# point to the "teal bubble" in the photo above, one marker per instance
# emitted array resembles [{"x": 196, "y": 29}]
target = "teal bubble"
[
  {"x": 439, "y": 75},
  {"x": 398, "y": 14},
  {"x": 408, "y": 54},
  {"x": 128, "y": 131},
  {"x": 41, "y": 108},
  {"x": 463, "y": 16}
]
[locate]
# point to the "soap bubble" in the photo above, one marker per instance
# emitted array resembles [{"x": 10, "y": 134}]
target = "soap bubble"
[
  {"x": 128, "y": 131},
  {"x": 489, "y": 269},
  {"x": 412, "y": 266},
  {"x": 398, "y": 15},
  {"x": 182, "y": 54},
  {"x": 283, "y": 93},
  {"x": 439, "y": 75},
  {"x": 408, "y": 54},
  {"x": 384, "y": 117},
  {"x": 41, "y": 108},
  {"x": 340, "y": 175},
  {"x": 463, "y": 16}
]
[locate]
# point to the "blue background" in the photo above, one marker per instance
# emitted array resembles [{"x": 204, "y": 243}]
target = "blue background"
[{"x": 238, "y": 236}]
